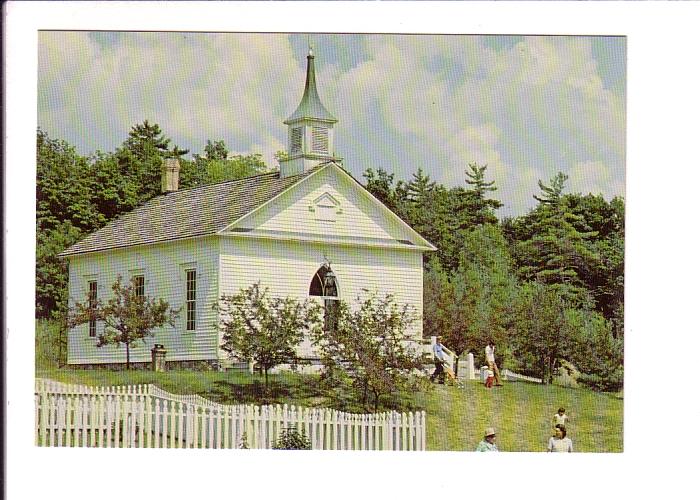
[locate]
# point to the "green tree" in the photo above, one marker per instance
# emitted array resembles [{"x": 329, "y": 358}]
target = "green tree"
[
  {"x": 265, "y": 329},
  {"x": 62, "y": 194},
  {"x": 216, "y": 150},
  {"x": 128, "y": 316},
  {"x": 605, "y": 279},
  {"x": 482, "y": 207},
  {"x": 556, "y": 252},
  {"x": 51, "y": 292},
  {"x": 64, "y": 213},
  {"x": 542, "y": 335},
  {"x": 475, "y": 302},
  {"x": 140, "y": 158},
  {"x": 440, "y": 305},
  {"x": 371, "y": 347},
  {"x": 381, "y": 184},
  {"x": 218, "y": 165},
  {"x": 597, "y": 352}
]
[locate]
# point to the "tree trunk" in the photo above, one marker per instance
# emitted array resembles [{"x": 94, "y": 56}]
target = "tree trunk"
[
  {"x": 550, "y": 373},
  {"x": 376, "y": 400},
  {"x": 266, "y": 386},
  {"x": 127, "y": 356},
  {"x": 543, "y": 369}
]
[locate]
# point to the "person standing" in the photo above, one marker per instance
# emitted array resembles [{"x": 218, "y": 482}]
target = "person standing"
[
  {"x": 490, "y": 352},
  {"x": 439, "y": 360},
  {"x": 559, "y": 442},
  {"x": 489, "y": 378},
  {"x": 560, "y": 417},
  {"x": 489, "y": 441}
]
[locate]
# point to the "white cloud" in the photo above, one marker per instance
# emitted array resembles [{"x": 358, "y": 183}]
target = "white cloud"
[{"x": 527, "y": 109}]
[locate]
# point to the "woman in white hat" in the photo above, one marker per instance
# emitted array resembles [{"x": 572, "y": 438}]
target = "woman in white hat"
[{"x": 489, "y": 441}]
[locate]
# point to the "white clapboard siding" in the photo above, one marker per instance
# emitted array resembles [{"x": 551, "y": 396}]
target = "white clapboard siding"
[
  {"x": 163, "y": 267},
  {"x": 287, "y": 269},
  {"x": 354, "y": 214},
  {"x": 148, "y": 417}
]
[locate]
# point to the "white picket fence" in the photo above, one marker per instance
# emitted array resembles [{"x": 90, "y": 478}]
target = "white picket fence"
[{"x": 145, "y": 416}]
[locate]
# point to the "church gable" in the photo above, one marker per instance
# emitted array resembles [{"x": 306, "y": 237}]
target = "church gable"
[{"x": 328, "y": 205}]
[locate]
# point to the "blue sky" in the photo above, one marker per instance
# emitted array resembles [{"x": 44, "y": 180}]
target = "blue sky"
[{"x": 527, "y": 106}]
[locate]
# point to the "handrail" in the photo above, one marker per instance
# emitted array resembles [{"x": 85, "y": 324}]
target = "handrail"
[{"x": 451, "y": 357}]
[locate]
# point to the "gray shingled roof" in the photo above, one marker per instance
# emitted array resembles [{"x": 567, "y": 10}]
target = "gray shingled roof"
[{"x": 183, "y": 214}]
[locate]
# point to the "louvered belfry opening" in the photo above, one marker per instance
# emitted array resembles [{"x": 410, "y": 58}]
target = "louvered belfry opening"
[
  {"x": 310, "y": 130},
  {"x": 319, "y": 139},
  {"x": 296, "y": 140}
]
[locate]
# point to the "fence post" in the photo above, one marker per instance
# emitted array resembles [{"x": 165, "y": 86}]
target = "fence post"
[
  {"x": 37, "y": 427},
  {"x": 141, "y": 409},
  {"x": 211, "y": 427}
]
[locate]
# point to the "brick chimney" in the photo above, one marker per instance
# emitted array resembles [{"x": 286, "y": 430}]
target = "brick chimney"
[{"x": 170, "y": 175}]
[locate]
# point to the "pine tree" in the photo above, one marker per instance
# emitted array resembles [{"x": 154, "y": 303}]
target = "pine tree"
[
  {"x": 557, "y": 253},
  {"x": 482, "y": 206}
]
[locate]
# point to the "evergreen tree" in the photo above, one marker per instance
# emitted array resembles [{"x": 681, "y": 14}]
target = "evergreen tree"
[
  {"x": 381, "y": 184},
  {"x": 141, "y": 156},
  {"x": 218, "y": 165},
  {"x": 482, "y": 206},
  {"x": 216, "y": 150},
  {"x": 557, "y": 253},
  {"x": 542, "y": 336}
]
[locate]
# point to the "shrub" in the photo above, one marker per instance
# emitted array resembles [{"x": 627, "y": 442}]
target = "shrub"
[
  {"x": 243, "y": 445},
  {"x": 611, "y": 381},
  {"x": 292, "y": 439},
  {"x": 49, "y": 344}
]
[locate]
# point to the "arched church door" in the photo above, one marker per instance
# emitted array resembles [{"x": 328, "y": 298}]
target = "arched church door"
[{"x": 324, "y": 285}]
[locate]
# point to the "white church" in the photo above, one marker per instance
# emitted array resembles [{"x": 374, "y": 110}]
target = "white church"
[{"x": 308, "y": 231}]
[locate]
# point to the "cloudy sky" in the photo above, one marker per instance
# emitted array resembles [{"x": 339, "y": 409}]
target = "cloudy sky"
[{"x": 528, "y": 106}]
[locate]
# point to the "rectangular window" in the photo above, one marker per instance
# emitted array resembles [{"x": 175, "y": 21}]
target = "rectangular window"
[
  {"x": 295, "y": 140},
  {"x": 139, "y": 286},
  {"x": 92, "y": 303},
  {"x": 191, "y": 299},
  {"x": 319, "y": 141}
]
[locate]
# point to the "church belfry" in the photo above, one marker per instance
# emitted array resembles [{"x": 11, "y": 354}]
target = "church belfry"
[{"x": 309, "y": 128}]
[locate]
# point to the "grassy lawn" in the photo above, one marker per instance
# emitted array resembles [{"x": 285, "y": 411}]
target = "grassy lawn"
[{"x": 520, "y": 412}]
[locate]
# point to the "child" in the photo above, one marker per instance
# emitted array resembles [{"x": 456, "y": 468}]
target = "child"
[
  {"x": 560, "y": 417},
  {"x": 489, "y": 378}
]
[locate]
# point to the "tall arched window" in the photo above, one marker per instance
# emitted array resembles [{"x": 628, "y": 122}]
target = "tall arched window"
[{"x": 325, "y": 285}]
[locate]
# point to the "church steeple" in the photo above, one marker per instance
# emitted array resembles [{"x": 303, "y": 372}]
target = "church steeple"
[
  {"x": 310, "y": 106},
  {"x": 310, "y": 129}
]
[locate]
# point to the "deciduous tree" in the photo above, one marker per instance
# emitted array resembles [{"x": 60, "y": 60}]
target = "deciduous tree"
[
  {"x": 370, "y": 344},
  {"x": 265, "y": 329},
  {"x": 128, "y": 315}
]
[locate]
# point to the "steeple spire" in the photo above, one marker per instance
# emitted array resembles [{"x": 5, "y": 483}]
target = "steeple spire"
[
  {"x": 310, "y": 129},
  {"x": 310, "y": 106}
]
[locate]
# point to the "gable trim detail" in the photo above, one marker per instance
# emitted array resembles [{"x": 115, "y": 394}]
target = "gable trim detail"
[
  {"x": 268, "y": 202},
  {"x": 419, "y": 243}
]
